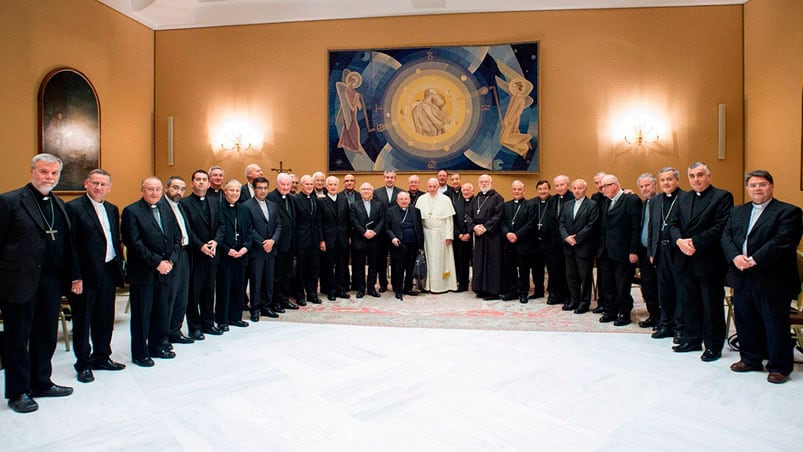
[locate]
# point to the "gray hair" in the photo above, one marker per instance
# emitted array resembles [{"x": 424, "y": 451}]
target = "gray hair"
[
  {"x": 47, "y": 158},
  {"x": 667, "y": 169}
]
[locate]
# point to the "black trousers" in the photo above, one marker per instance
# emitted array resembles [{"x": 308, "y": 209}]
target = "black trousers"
[
  {"x": 702, "y": 302},
  {"x": 261, "y": 268},
  {"x": 462, "y": 261},
  {"x": 179, "y": 295},
  {"x": 762, "y": 323},
  {"x": 201, "y": 304},
  {"x": 334, "y": 271},
  {"x": 538, "y": 265},
  {"x": 649, "y": 283},
  {"x": 230, "y": 289},
  {"x": 372, "y": 255},
  {"x": 150, "y": 316},
  {"x": 516, "y": 271},
  {"x": 668, "y": 292},
  {"x": 308, "y": 260},
  {"x": 283, "y": 278},
  {"x": 402, "y": 259},
  {"x": 31, "y": 331},
  {"x": 614, "y": 279},
  {"x": 93, "y": 316},
  {"x": 382, "y": 260},
  {"x": 556, "y": 266},
  {"x": 579, "y": 278}
]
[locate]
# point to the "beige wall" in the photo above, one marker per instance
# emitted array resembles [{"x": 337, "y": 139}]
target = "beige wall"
[
  {"x": 596, "y": 66},
  {"x": 773, "y": 61},
  {"x": 114, "y": 52}
]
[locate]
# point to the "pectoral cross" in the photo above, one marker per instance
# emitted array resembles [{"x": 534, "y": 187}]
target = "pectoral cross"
[
  {"x": 539, "y": 226},
  {"x": 52, "y": 233},
  {"x": 236, "y": 236}
]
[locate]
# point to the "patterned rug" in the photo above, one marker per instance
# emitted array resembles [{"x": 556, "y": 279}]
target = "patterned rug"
[{"x": 459, "y": 311}]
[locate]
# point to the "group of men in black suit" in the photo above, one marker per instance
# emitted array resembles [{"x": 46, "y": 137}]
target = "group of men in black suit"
[{"x": 195, "y": 255}]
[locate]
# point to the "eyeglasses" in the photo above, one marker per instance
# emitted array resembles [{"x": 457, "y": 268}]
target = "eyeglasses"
[
  {"x": 607, "y": 185},
  {"x": 758, "y": 185}
]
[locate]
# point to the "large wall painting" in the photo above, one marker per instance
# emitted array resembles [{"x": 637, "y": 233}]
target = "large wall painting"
[
  {"x": 472, "y": 108},
  {"x": 69, "y": 125}
]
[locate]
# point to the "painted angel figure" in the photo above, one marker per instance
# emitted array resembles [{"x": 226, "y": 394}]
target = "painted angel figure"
[
  {"x": 519, "y": 89},
  {"x": 350, "y": 102}
]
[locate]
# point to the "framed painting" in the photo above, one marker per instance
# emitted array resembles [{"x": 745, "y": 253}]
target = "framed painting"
[
  {"x": 69, "y": 125},
  {"x": 463, "y": 108}
]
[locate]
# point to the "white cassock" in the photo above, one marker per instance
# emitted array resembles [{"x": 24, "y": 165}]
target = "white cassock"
[{"x": 436, "y": 215}]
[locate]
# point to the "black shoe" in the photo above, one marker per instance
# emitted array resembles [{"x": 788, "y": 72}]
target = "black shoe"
[
  {"x": 383, "y": 289},
  {"x": 180, "y": 339},
  {"x": 523, "y": 299},
  {"x": 399, "y": 296},
  {"x": 23, "y": 403},
  {"x": 164, "y": 354},
  {"x": 678, "y": 337},
  {"x": 553, "y": 300},
  {"x": 214, "y": 331},
  {"x": 582, "y": 308},
  {"x": 508, "y": 297},
  {"x": 290, "y": 305},
  {"x": 168, "y": 346},
  {"x": 268, "y": 312},
  {"x": 107, "y": 364},
  {"x": 315, "y": 300},
  {"x": 410, "y": 293},
  {"x": 569, "y": 307},
  {"x": 198, "y": 335},
  {"x": 491, "y": 297},
  {"x": 255, "y": 317},
  {"x": 480, "y": 294},
  {"x": 343, "y": 295},
  {"x": 224, "y": 327},
  {"x": 649, "y": 322},
  {"x": 687, "y": 347},
  {"x": 662, "y": 332},
  {"x": 360, "y": 294},
  {"x": 331, "y": 297},
  {"x": 598, "y": 310},
  {"x": 239, "y": 323},
  {"x": 85, "y": 376},
  {"x": 53, "y": 391},
  {"x": 622, "y": 320},
  {"x": 461, "y": 289},
  {"x": 143, "y": 362},
  {"x": 710, "y": 355},
  {"x": 278, "y": 309},
  {"x": 300, "y": 302},
  {"x": 373, "y": 293},
  {"x": 607, "y": 317},
  {"x": 536, "y": 295}
]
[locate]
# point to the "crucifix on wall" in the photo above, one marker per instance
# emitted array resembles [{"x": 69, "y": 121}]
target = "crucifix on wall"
[{"x": 281, "y": 168}]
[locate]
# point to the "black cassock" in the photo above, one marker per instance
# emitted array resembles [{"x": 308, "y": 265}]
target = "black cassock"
[{"x": 487, "y": 209}]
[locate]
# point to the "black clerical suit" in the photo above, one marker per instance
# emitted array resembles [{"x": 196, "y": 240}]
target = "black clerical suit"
[
  {"x": 580, "y": 256},
  {"x": 487, "y": 209},
  {"x": 148, "y": 243},
  {"x": 93, "y": 310},
  {"x": 541, "y": 209},
  {"x": 702, "y": 217},
  {"x": 231, "y": 277},
  {"x": 245, "y": 193},
  {"x": 662, "y": 250},
  {"x": 762, "y": 293},
  {"x": 203, "y": 216},
  {"x": 364, "y": 249},
  {"x": 283, "y": 277},
  {"x": 308, "y": 245},
  {"x": 619, "y": 237},
  {"x": 405, "y": 225},
  {"x": 462, "y": 249},
  {"x": 336, "y": 229},
  {"x": 381, "y": 195},
  {"x": 553, "y": 248},
  {"x": 36, "y": 268},
  {"x": 519, "y": 219},
  {"x": 262, "y": 264}
]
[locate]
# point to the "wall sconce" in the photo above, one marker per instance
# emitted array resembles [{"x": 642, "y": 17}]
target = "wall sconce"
[
  {"x": 642, "y": 130},
  {"x": 237, "y": 137}
]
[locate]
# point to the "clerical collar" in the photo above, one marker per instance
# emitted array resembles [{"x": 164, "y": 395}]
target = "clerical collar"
[
  {"x": 94, "y": 202},
  {"x": 674, "y": 193},
  {"x": 202, "y": 198},
  {"x": 332, "y": 197},
  {"x": 283, "y": 196},
  {"x": 153, "y": 206},
  {"x": 231, "y": 205},
  {"x": 485, "y": 192},
  {"x": 39, "y": 194},
  {"x": 516, "y": 201},
  {"x": 701, "y": 193},
  {"x": 762, "y": 205}
]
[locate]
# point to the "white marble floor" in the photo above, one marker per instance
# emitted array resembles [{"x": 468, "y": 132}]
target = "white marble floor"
[{"x": 285, "y": 386}]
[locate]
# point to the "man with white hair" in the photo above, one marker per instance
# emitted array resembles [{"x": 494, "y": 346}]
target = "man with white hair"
[
  {"x": 319, "y": 184},
  {"x": 283, "y": 274},
  {"x": 437, "y": 215},
  {"x": 551, "y": 242},
  {"x": 484, "y": 217}
]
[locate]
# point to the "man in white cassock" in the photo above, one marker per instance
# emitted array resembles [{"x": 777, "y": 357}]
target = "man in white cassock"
[{"x": 436, "y": 215}]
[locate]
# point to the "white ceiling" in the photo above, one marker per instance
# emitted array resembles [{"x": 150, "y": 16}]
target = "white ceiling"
[{"x": 174, "y": 14}]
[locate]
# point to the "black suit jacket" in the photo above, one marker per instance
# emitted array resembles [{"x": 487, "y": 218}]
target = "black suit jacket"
[
  {"x": 393, "y": 225},
  {"x": 287, "y": 216},
  {"x": 308, "y": 221},
  {"x": 361, "y": 222},
  {"x": 335, "y": 221},
  {"x": 245, "y": 193},
  {"x": 202, "y": 228},
  {"x": 550, "y": 235},
  {"x": 237, "y": 229},
  {"x": 381, "y": 195},
  {"x": 522, "y": 226},
  {"x": 619, "y": 228},
  {"x": 263, "y": 229},
  {"x": 22, "y": 246},
  {"x": 582, "y": 226},
  {"x": 704, "y": 226},
  {"x": 772, "y": 243},
  {"x": 148, "y": 244},
  {"x": 90, "y": 240}
]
